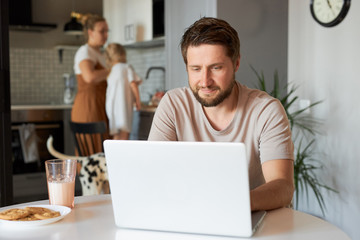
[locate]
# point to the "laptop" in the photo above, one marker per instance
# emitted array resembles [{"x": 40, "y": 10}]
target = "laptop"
[{"x": 183, "y": 187}]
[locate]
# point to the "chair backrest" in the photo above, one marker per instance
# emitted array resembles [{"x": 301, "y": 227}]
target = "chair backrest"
[{"x": 88, "y": 137}]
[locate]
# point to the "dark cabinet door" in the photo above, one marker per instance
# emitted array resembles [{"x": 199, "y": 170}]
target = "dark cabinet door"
[{"x": 145, "y": 124}]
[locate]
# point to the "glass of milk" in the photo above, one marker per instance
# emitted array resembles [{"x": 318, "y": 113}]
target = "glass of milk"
[{"x": 60, "y": 176}]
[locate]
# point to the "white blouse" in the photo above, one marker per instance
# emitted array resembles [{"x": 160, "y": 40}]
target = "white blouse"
[{"x": 85, "y": 52}]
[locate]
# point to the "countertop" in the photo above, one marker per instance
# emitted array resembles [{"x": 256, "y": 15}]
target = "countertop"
[
  {"x": 40, "y": 106},
  {"x": 147, "y": 108},
  {"x": 144, "y": 108}
]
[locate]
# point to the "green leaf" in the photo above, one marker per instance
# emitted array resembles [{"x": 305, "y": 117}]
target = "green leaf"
[{"x": 305, "y": 167}]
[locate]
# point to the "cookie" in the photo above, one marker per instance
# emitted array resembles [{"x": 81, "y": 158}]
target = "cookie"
[
  {"x": 31, "y": 217},
  {"x": 14, "y": 214},
  {"x": 47, "y": 215},
  {"x": 39, "y": 210},
  {"x": 28, "y": 214},
  {"x": 42, "y": 213}
]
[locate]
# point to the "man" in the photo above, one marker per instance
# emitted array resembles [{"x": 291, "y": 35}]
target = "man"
[{"x": 219, "y": 109}]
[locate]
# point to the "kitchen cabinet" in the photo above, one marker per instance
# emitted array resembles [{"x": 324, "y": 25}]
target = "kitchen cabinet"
[
  {"x": 262, "y": 29},
  {"x": 142, "y": 121},
  {"x": 146, "y": 119},
  {"x": 129, "y": 21}
]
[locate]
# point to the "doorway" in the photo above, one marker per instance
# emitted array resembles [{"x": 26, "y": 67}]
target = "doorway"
[{"x": 6, "y": 182}]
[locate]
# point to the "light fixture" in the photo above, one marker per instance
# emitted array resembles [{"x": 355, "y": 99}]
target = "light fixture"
[{"x": 74, "y": 27}]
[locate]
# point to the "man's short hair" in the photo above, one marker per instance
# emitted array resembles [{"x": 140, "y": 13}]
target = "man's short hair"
[{"x": 212, "y": 31}]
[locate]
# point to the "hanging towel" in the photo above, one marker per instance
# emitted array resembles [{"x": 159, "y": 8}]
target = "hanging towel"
[{"x": 28, "y": 139}]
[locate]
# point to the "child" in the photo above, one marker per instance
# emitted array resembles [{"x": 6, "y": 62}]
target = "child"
[{"x": 122, "y": 91}]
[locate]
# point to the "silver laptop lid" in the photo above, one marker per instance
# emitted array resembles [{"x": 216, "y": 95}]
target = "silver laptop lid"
[{"x": 191, "y": 187}]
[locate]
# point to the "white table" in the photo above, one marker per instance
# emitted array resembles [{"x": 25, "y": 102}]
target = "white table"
[{"x": 92, "y": 218}]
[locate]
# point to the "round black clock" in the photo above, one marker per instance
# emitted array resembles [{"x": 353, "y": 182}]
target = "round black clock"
[{"x": 329, "y": 13}]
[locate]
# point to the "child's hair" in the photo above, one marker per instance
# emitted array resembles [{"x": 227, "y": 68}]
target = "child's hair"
[{"x": 115, "y": 52}]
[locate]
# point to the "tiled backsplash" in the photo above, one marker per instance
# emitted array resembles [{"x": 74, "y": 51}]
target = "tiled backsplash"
[
  {"x": 36, "y": 75},
  {"x": 142, "y": 59}
]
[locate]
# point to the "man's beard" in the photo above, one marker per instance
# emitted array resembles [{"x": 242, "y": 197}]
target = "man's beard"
[{"x": 221, "y": 96}]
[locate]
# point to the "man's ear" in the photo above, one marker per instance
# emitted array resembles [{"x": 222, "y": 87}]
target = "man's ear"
[
  {"x": 237, "y": 63},
  {"x": 89, "y": 32}
]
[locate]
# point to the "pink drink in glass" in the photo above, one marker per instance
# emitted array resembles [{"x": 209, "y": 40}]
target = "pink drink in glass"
[
  {"x": 62, "y": 193},
  {"x": 61, "y": 181}
]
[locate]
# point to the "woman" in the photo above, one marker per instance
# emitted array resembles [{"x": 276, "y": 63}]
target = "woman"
[{"x": 91, "y": 73}]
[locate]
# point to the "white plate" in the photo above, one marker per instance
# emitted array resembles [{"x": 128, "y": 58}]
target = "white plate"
[{"x": 62, "y": 209}]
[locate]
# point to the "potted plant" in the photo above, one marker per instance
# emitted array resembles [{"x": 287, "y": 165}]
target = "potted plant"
[{"x": 304, "y": 127}]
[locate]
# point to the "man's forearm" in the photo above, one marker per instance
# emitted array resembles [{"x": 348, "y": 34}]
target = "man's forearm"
[{"x": 275, "y": 194}]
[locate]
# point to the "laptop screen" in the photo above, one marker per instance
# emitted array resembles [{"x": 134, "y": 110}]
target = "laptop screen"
[{"x": 192, "y": 187}]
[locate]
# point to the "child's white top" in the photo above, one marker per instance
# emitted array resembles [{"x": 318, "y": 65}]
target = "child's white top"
[{"x": 119, "y": 97}]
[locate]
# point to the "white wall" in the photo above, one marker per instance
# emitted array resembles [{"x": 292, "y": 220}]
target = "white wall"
[
  {"x": 325, "y": 63},
  {"x": 262, "y": 29},
  {"x": 179, "y": 15}
]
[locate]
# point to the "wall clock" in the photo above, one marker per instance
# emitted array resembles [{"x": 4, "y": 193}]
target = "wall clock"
[{"x": 329, "y": 13}]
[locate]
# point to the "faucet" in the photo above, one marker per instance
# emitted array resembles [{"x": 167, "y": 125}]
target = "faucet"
[
  {"x": 153, "y": 68},
  {"x": 157, "y": 99}
]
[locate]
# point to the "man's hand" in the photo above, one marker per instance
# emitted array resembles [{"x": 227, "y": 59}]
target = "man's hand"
[{"x": 278, "y": 189}]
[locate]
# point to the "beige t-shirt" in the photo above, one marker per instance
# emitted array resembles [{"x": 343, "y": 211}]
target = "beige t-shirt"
[{"x": 260, "y": 123}]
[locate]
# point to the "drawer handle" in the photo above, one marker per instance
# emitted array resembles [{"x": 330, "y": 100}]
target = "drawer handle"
[{"x": 39, "y": 126}]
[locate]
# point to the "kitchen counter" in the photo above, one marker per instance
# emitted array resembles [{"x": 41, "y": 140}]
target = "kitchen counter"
[
  {"x": 147, "y": 108},
  {"x": 40, "y": 106},
  {"x": 32, "y": 112},
  {"x": 144, "y": 107}
]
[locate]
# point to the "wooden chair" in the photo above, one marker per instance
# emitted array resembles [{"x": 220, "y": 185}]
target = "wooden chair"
[{"x": 89, "y": 137}]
